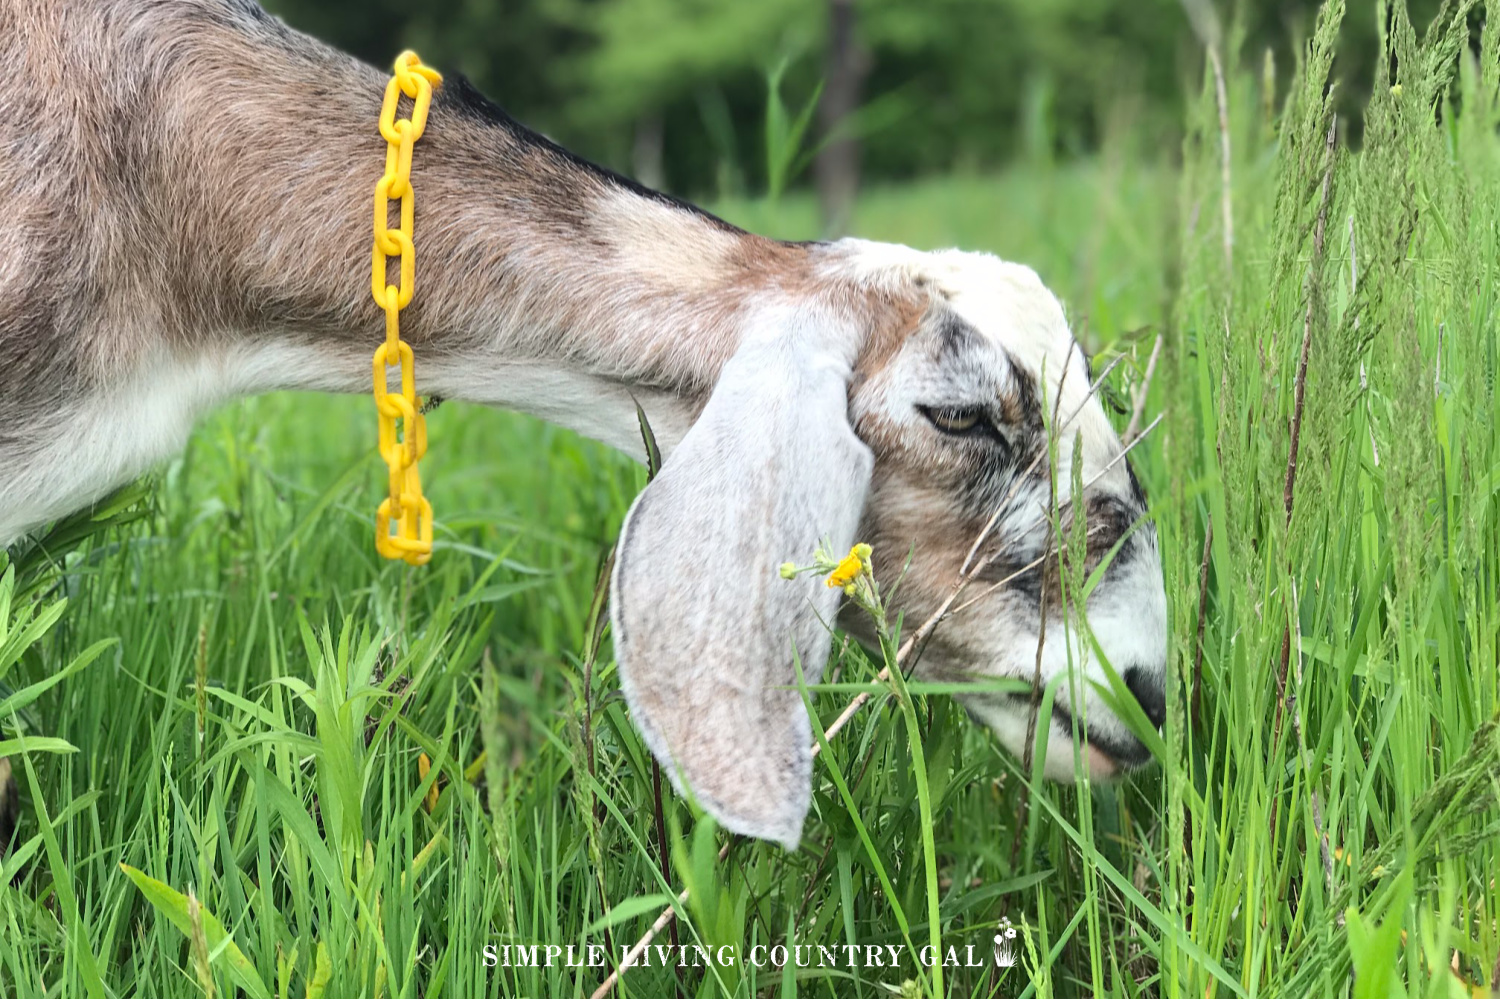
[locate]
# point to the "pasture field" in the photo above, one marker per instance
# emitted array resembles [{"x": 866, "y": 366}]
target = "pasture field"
[{"x": 247, "y": 693}]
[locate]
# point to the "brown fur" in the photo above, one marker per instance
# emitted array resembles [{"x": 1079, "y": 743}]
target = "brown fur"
[
  {"x": 189, "y": 189},
  {"x": 195, "y": 172}
]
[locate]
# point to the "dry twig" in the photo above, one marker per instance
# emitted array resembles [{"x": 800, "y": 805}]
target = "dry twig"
[
  {"x": 1196, "y": 700},
  {"x": 1299, "y": 396}
]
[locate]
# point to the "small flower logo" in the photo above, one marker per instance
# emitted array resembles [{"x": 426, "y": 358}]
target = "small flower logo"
[{"x": 1005, "y": 944}]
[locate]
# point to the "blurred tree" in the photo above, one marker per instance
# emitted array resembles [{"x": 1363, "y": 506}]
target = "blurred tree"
[
  {"x": 667, "y": 65},
  {"x": 676, "y": 89},
  {"x": 510, "y": 48},
  {"x": 845, "y": 64}
]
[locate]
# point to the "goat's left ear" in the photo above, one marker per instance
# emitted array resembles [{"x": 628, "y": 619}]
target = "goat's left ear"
[{"x": 705, "y": 628}]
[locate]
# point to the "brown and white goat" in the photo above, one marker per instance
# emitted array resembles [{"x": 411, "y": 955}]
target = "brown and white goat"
[{"x": 185, "y": 194}]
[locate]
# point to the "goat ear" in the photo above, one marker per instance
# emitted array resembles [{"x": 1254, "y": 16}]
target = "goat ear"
[{"x": 705, "y": 627}]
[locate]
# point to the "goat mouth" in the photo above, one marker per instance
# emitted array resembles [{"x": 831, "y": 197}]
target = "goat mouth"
[
  {"x": 1125, "y": 754},
  {"x": 1107, "y": 754},
  {"x": 1104, "y": 755}
]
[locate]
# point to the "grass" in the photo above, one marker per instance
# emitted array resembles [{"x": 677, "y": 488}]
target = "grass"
[{"x": 223, "y": 789}]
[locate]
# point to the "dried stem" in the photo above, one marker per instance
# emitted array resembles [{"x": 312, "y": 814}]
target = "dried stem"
[
  {"x": 598, "y": 619},
  {"x": 1036, "y": 673},
  {"x": 964, "y": 570},
  {"x": 1139, "y": 408},
  {"x": 1299, "y": 395},
  {"x": 1041, "y": 636},
  {"x": 664, "y": 859},
  {"x": 1000, "y": 507},
  {"x": 1299, "y": 389},
  {"x": 1088, "y": 483},
  {"x": 666, "y": 917}
]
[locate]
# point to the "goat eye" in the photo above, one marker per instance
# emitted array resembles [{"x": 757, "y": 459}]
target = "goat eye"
[{"x": 952, "y": 419}]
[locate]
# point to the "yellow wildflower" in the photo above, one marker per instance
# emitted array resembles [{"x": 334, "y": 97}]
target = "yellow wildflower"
[
  {"x": 855, "y": 563},
  {"x": 846, "y": 571}
]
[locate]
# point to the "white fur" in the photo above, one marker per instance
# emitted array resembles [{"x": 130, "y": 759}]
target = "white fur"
[
  {"x": 771, "y": 466},
  {"x": 1128, "y": 620},
  {"x": 598, "y": 408},
  {"x": 1008, "y": 303},
  {"x": 707, "y": 634},
  {"x": 114, "y": 436}
]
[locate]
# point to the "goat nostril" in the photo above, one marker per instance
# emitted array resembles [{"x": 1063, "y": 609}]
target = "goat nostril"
[{"x": 1149, "y": 693}]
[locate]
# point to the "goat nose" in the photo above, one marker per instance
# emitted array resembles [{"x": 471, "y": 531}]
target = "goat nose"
[{"x": 1149, "y": 692}]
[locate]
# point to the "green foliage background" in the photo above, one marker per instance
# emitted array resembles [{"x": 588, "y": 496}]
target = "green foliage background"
[
  {"x": 953, "y": 84},
  {"x": 229, "y": 714}
]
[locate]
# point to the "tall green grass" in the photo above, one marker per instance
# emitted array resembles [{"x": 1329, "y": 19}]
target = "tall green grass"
[{"x": 246, "y": 691}]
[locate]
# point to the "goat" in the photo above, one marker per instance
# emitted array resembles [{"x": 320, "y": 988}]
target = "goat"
[{"x": 186, "y": 195}]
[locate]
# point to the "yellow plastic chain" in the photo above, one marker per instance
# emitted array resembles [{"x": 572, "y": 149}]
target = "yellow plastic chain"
[{"x": 406, "y": 506}]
